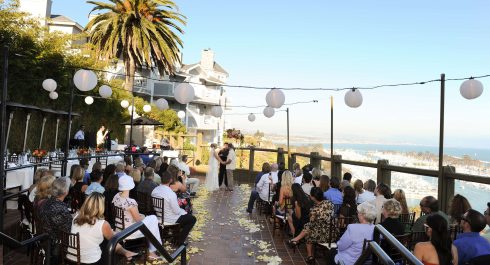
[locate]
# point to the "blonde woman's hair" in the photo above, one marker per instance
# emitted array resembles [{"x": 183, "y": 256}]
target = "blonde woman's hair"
[
  {"x": 399, "y": 195},
  {"x": 78, "y": 173},
  {"x": 358, "y": 186},
  {"x": 316, "y": 173},
  {"x": 136, "y": 175},
  {"x": 392, "y": 208},
  {"x": 39, "y": 173},
  {"x": 287, "y": 181},
  {"x": 44, "y": 187},
  {"x": 92, "y": 210}
]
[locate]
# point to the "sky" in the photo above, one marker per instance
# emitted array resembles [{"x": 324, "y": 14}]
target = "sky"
[{"x": 336, "y": 44}]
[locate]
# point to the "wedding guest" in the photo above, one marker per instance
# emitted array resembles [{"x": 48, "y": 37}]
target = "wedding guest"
[
  {"x": 163, "y": 166},
  {"x": 274, "y": 173},
  {"x": 108, "y": 171},
  {"x": 77, "y": 178},
  {"x": 333, "y": 194},
  {"x": 307, "y": 177},
  {"x": 344, "y": 183},
  {"x": 349, "y": 247},
  {"x": 96, "y": 178},
  {"x": 347, "y": 176},
  {"x": 298, "y": 174},
  {"x": 282, "y": 168},
  {"x": 285, "y": 194},
  {"x": 35, "y": 180},
  {"x": 121, "y": 169},
  {"x": 368, "y": 194},
  {"x": 84, "y": 163},
  {"x": 324, "y": 183},
  {"x": 439, "y": 250},
  {"x": 358, "y": 189},
  {"x": 178, "y": 183},
  {"x": 458, "y": 206},
  {"x": 317, "y": 230},
  {"x": 391, "y": 213},
  {"x": 399, "y": 195},
  {"x": 382, "y": 193},
  {"x": 43, "y": 193},
  {"x": 262, "y": 188},
  {"x": 470, "y": 243},
  {"x": 132, "y": 215},
  {"x": 148, "y": 184},
  {"x": 487, "y": 218},
  {"x": 172, "y": 212},
  {"x": 54, "y": 215},
  {"x": 192, "y": 182},
  {"x": 349, "y": 205},
  {"x": 302, "y": 207},
  {"x": 266, "y": 169},
  {"x": 428, "y": 205},
  {"x": 316, "y": 173},
  {"x": 111, "y": 189},
  {"x": 89, "y": 223}
]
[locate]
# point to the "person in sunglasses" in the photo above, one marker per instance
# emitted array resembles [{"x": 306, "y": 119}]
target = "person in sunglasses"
[{"x": 469, "y": 243}]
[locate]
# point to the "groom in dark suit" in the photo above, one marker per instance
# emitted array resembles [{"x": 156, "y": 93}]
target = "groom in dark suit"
[{"x": 223, "y": 154}]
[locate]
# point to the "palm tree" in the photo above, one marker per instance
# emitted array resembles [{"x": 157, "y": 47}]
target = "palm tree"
[{"x": 141, "y": 32}]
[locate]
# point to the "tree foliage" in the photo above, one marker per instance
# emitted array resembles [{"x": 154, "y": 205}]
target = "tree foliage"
[
  {"x": 36, "y": 54},
  {"x": 141, "y": 32}
]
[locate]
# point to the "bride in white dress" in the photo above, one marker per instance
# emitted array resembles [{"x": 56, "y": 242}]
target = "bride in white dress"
[{"x": 212, "y": 182}]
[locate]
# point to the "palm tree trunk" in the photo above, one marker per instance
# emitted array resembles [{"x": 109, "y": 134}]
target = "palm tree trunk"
[{"x": 130, "y": 72}]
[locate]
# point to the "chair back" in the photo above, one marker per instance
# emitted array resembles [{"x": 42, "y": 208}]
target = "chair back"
[
  {"x": 158, "y": 206},
  {"x": 417, "y": 237},
  {"x": 70, "y": 247},
  {"x": 118, "y": 218},
  {"x": 77, "y": 199},
  {"x": 144, "y": 202},
  {"x": 407, "y": 219},
  {"x": 394, "y": 254},
  {"x": 336, "y": 208},
  {"x": 454, "y": 230}
]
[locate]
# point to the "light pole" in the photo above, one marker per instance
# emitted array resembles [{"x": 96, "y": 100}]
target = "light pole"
[
  {"x": 287, "y": 130},
  {"x": 331, "y": 136}
]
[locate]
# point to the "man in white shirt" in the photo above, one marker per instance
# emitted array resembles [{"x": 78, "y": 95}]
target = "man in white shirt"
[
  {"x": 172, "y": 213},
  {"x": 230, "y": 166},
  {"x": 274, "y": 173},
  {"x": 193, "y": 182},
  {"x": 262, "y": 190},
  {"x": 368, "y": 193},
  {"x": 101, "y": 136},
  {"x": 298, "y": 175}
]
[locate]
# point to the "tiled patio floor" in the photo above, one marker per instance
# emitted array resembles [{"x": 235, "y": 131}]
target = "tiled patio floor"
[{"x": 224, "y": 241}]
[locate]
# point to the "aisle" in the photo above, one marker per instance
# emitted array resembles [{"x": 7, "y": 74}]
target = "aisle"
[{"x": 231, "y": 236}]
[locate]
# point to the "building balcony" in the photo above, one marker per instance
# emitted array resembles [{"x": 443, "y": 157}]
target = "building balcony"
[{"x": 201, "y": 121}]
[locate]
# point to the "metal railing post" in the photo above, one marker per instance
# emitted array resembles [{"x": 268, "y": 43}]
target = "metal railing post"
[
  {"x": 446, "y": 193},
  {"x": 292, "y": 161},
  {"x": 383, "y": 174}
]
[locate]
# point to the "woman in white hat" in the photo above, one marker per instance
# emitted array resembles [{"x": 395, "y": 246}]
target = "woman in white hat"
[{"x": 132, "y": 215}]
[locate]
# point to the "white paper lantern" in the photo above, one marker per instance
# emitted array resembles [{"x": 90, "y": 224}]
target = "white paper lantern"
[
  {"x": 85, "y": 80},
  {"x": 251, "y": 117},
  {"x": 275, "y": 98},
  {"x": 49, "y": 85},
  {"x": 184, "y": 93},
  {"x": 269, "y": 112},
  {"x": 471, "y": 89},
  {"x": 353, "y": 98},
  {"x": 89, "y": 100},
  {"x": 53, "y": 95},
  {"x": 162, "y": 104},
  {"x": 105, "y": 91},
  {"x": 181, "y": 114},
  {"x": 146, "y": 108},
  {"x": 216, "y": 111},
  {"x": 124, "y": 104}
]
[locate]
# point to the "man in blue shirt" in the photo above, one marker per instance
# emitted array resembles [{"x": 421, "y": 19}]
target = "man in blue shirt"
[
  {"x": 470, "y": 244},
  {"x": 333, "y": 194}
]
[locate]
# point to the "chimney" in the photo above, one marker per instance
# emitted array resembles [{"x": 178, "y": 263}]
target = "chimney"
[{"x": 207, "y": 59}]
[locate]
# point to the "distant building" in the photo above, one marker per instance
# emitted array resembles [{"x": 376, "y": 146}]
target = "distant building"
[
  {"x": 41, "y": 9},
  {"x": 207, "y": 77}
]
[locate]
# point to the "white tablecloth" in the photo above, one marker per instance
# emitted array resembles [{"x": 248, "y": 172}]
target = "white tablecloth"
[
  {"x": 20, "y": 177},
  {"x": 110, "y": 160}
]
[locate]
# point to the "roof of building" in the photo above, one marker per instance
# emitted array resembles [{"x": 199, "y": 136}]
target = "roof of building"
[
  {"x": 60, "y": 19},
  {"x": 216, "y": 67}
]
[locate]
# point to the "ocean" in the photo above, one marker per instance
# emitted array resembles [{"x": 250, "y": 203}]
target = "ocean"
[{"x": 477, "y": 194}]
